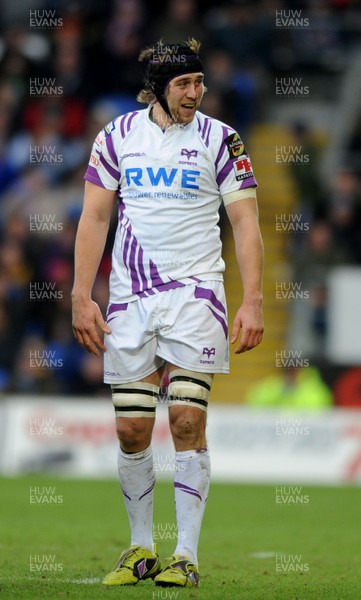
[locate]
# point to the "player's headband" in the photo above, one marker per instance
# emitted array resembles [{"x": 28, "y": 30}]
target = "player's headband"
[{"x": 169, "y": 61}]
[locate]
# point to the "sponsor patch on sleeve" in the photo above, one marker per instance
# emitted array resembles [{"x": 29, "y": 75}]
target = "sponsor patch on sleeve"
[
  {"x": 235, "y": 145},
  {"x": 109, "y": 128},
  {"x": 243, "y": 168}
]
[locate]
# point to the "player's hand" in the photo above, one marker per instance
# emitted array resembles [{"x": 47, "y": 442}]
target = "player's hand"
[
  {"x": 87, "y": 321},
  {"x": 249, "y": 319}
]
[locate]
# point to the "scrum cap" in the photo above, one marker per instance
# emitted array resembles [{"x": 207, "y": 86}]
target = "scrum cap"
[{"x": 169, "y": 61}]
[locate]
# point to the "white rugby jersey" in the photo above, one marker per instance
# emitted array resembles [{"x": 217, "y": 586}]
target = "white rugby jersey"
[{"x": 169, "y": 185}]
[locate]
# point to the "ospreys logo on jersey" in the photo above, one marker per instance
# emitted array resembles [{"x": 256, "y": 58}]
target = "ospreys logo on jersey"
[
  {"x": 189, "y": 153},
  {"x": 235, "y": 145}
]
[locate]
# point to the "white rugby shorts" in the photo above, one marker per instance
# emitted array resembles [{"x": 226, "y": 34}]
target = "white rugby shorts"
[{"x": 186, "y": 326}]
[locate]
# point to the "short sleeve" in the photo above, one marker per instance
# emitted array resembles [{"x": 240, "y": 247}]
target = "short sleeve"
[
  {"x": 103, "y": 168},
  {"x": 233, "y": 166}
]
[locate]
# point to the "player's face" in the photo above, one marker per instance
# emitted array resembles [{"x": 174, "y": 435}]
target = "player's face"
[{"x": 184, "y": 96}]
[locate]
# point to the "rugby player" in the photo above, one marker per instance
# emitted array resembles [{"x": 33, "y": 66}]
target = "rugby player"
[{"x": 169, "y": 166}]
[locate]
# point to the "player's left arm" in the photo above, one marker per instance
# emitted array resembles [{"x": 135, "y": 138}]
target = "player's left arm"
[{"x": 243, "y": 216}]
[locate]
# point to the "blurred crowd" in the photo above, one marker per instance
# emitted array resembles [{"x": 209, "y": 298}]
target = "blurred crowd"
[{"x": 66, "y": 69}]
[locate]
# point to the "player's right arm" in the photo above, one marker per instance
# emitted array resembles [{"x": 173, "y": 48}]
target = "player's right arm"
[{"x": 89, "y": 247}]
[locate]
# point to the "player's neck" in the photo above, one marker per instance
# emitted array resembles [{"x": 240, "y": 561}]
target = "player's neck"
[{"x": 160, "y": 117}]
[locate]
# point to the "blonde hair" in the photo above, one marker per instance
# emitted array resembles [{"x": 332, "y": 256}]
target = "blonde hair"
[{"x": 146, "y": 95}]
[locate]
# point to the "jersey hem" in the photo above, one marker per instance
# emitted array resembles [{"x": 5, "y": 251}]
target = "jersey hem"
[
  {"x": 153, "y": 369},
  {"x": 199, "y": 368},
  {"x": 185, "y": 280}
]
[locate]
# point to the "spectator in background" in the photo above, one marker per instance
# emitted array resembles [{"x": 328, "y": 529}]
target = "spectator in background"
[
  {"x": 115, "y": 59},
  {"x": 180, "y": 21},
  {"x": 241, "y": 28},
  {"x": 305, "y": 169},
  {"x": 318, "y": 45},
  {"x": 311, "y": 268},
  {"x": 236, "y": 87},
  {"x": 344, "y": 212}
]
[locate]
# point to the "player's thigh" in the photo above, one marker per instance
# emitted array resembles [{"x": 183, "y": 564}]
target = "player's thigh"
[
  {"x": 196, "y": 335},
  {"x": 132, "y": 344}
]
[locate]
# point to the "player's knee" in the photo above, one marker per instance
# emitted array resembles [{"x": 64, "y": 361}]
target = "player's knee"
[
  {"x": 187, "y": 424},
  {"x": 133, "y": 434}
]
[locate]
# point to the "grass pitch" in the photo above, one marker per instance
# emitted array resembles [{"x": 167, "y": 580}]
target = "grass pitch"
[{"x": 256, "y": 544}]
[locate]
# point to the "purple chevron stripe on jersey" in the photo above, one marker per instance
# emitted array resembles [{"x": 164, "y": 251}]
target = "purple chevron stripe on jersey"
[
  {"x": 113, "y": 172},
  {"x": 115, "y": 308},
  {"x": 223, "y": 173},
  {"x": 92, "y": 175},
  {"x": 136, "y": 287},
  {"x": 141, "y": 268},
  {"x": 132, "y": 115},
  {"x": 206, "y": 130},
  {"x": 122, "y": 124},
  {"x": 110, "y": 147},
  {"x": 208, "y": 133},
  {"x": 209, "y": 295},
  {"x": 154, "y": 275},
  {"x": 221, "y": 320},
  {"x": 171, "y": 285},
  {"x": 206, "y": 122},
  {"x": 127, "y": 239},
  {"x": 121, "y": 208},
  {"x": 187, "y": 489},
  {"x": 147, "y": 491},
  {"x": 222, "y": 149},
  {"x": 199, "y": 124}
]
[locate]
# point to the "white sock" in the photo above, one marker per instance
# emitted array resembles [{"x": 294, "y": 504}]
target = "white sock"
[
  {"x": 137, "y": 479},
  {"x": 191, "y": 484}
]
